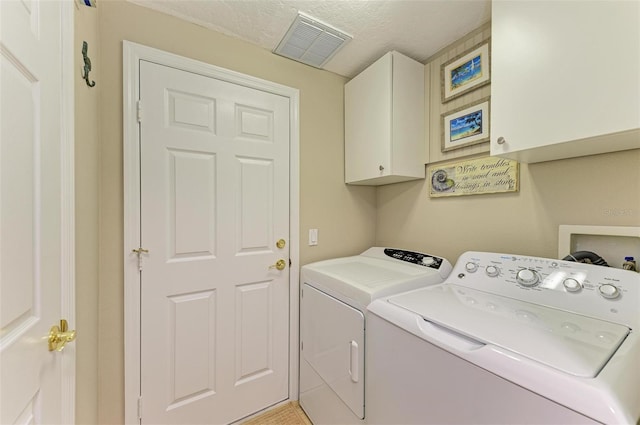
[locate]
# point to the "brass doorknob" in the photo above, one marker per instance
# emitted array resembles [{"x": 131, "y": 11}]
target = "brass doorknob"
[
  {"x": 280, "y": 265},
  {"x": 59, "y": 336}
]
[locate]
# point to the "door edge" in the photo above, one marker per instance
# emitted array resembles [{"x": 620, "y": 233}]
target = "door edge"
[{"x": 67, "y": 225}]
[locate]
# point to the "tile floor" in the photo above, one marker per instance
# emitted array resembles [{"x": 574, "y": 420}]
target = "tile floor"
[{"x": 287, "y": 414}]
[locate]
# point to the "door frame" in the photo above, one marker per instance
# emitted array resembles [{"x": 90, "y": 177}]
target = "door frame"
[{"x": 132, "y": 54}]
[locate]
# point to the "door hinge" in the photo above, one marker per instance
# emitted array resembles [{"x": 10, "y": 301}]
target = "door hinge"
[
  {"x": 139, "y": 110},
  {"x": 139, "y": 408},
  {"x": 301, "y": 345}
]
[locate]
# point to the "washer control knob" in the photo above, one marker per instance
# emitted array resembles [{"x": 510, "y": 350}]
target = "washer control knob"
[
  {"x": 527, "y": 277},
  {"x": 609, "y": 291},
  {"x": 427, "y": 261},
  {"x": 471, "y": 267},
  {"x": 571, "y": 285},
  {"x": 492, "y": 271}
]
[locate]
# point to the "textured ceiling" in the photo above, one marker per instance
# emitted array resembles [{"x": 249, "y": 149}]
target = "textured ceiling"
[{"x": 416, "y": 28}]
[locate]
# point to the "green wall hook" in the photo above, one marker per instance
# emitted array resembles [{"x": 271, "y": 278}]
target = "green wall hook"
[{"x": 87, "y": 65}]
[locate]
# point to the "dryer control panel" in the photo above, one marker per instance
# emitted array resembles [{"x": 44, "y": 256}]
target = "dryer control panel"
[
  {"x": 596, "y": 291},
  {"x": 418, "y": 258}
]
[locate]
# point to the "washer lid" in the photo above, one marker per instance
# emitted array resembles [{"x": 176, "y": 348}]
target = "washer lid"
[{"x": 574, "y": 344}]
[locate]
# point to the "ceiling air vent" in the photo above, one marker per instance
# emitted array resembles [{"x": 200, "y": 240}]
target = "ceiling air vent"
[{"x": 311, "y": 42}]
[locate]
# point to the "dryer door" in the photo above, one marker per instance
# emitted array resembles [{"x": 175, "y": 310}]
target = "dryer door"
[{"x": 333, "y": 344}]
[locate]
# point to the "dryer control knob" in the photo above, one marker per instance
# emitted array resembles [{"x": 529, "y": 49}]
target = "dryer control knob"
[
  {"x": 527, "y": 277},
  {"x": 572, "y": 285},
  {"x": 471, "y": 267},
  {"x": 427, "y": 261},
  {"x": 492, "y": 271},
  {"x": 609, "y": 291}
]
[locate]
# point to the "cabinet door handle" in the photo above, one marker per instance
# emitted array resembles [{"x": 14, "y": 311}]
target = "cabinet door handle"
[
  {"x": 501, "y": 140},
  {"x": 381, "y": 168}
]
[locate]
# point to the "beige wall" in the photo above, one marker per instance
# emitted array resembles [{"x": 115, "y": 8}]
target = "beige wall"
[
  {"x": 344, "y": 215},
  {"x": 86, "y": 187},
  {"x": 593, "y": 190},
  {"x": 590, "y": 190},
  {"x": 350, "y": 218}
]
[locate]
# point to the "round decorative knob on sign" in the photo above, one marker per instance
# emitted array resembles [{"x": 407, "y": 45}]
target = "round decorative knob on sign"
[
  {"x": 492, "y": 271},
  {"x": 527, "y": 277},
  {"x": 571, "y": 285},
  {"x": 471, "y": 267},
  {"x": 609, "y": 291}
]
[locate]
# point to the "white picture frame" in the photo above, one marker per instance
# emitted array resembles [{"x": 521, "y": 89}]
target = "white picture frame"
[
  {"x": 466, "y": 126},
  {"x": 466, "y": 72}
]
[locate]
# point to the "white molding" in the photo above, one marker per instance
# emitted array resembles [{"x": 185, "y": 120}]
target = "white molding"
[
  {"x": 133, "y": 53},
  {"x": 131, "y": 172},
  {"x": 67, "y": 224},
  {"x": 294, "y": 242}
]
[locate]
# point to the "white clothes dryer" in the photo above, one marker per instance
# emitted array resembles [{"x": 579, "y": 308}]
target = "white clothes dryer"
[
  {"x": 334, "y": 297},
  {"x": 508, "y": 339}
]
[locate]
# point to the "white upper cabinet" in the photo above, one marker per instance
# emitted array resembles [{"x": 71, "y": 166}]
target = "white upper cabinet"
[
  {"x": 384, "y": 122},
  {"x": 565, "y": 78}
]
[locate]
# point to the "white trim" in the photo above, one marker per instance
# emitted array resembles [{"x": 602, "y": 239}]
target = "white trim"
[
  {"x": 67, "y": 195},
  {"x": 132, "y": 55},
  {"x": 294, "y": 242},
  {"x": 131, "y": 172}
]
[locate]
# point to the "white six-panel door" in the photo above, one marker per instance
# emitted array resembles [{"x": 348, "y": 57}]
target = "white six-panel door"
[
  {"x": 36, "y": 210},
  {"x": 214, "y": 202}
]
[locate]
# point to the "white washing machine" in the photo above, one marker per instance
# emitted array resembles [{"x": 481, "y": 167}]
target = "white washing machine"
[
  {"x": 508, "y": 339},
  {"x": 334, "y": 297}
]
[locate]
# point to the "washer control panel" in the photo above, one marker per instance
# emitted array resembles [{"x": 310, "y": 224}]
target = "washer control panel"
[
  {"x": 418, "y": 258},
  {"x": 603, "y": 292}
]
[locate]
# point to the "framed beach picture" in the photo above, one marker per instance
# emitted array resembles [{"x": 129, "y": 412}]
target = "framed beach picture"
[
  {"x": 465, "y": 72},
  {"x": 465, "y": 126}
]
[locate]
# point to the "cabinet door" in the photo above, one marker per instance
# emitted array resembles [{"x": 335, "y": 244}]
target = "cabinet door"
[
  {"x": 368, "y": 122},
  {"x": 408, "y": 118},
  {"x": 563, "y": 72}
]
